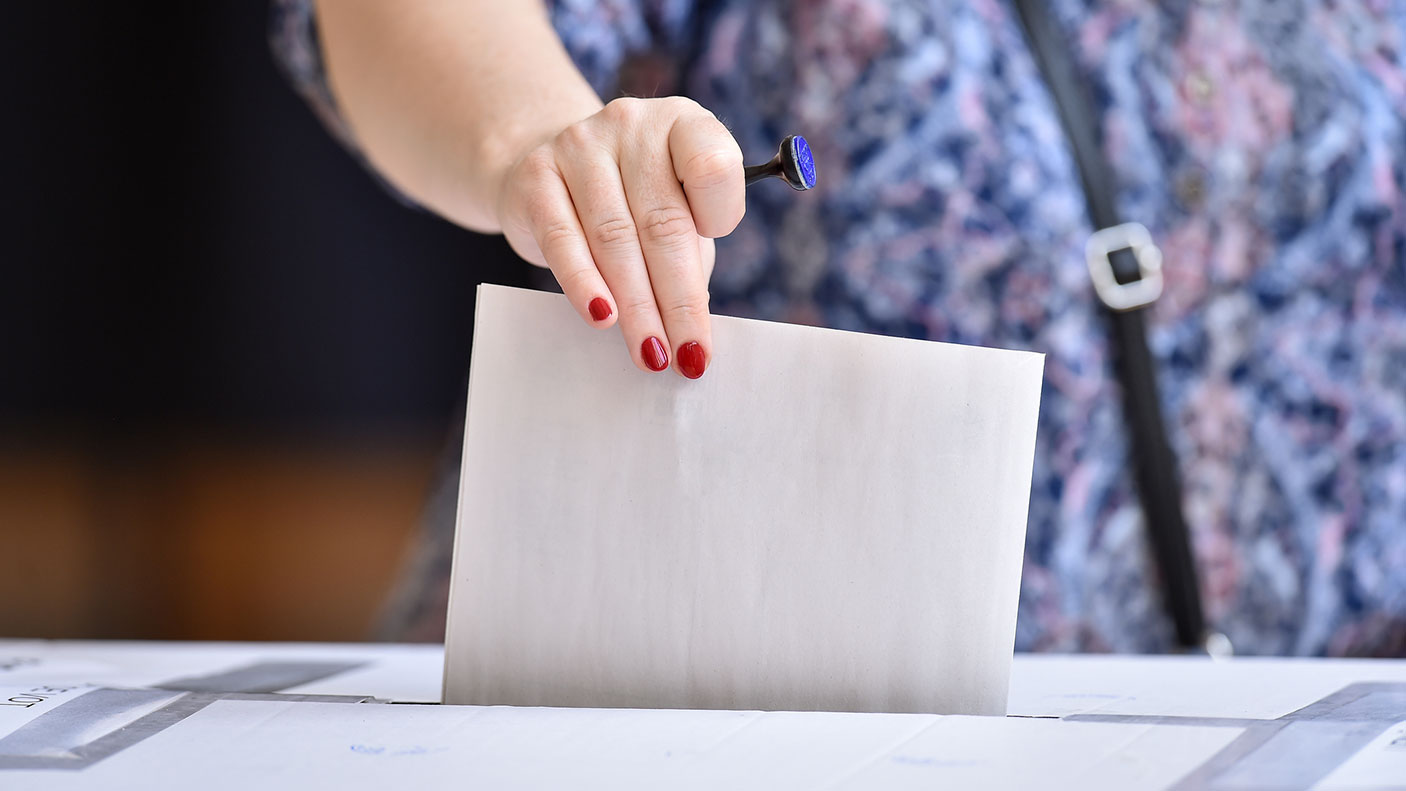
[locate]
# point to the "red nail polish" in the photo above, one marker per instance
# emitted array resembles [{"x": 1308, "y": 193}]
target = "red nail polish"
[
  {"x": 692, "y": 361},
  {"x": 655, "y": 356},
  {"x": 600, "y": 309}
]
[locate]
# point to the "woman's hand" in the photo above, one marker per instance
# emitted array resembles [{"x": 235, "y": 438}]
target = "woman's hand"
[
  {"x": 623, "y": 207},
  {"x": 451, "y": 101}
]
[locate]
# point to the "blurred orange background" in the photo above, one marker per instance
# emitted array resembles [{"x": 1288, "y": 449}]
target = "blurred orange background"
[
  {"x": 206, "y": 539},
  {"x": 228, "y": 357}
]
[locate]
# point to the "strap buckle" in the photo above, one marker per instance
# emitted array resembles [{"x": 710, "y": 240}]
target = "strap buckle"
[{"x": 1132, "y": 236}]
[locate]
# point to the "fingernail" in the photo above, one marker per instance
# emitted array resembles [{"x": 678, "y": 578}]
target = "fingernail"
[
  {"x": 600, "y": 309},
  {"x": 692, "y": 361},
  {"x": 655, "y": 356}
]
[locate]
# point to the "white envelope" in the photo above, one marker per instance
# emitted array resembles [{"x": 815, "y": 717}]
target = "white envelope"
[{"x": 825, "y": 520}]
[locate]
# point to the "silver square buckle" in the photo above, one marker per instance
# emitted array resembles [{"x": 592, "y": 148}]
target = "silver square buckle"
[{"x": 1131, "y": 236}]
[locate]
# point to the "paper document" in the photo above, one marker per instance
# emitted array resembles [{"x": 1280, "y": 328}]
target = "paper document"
[
  {"x": 1169, "y": 723},
  {"x": 1264, "y": 688},
  {"x": 267, "y": 745},
  {"x": 396, "y": 672},
  {"x": 825, "y": 521}
]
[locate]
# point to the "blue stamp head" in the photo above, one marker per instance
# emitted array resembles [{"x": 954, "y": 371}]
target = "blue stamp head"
[{"x": 798, "y": 164}]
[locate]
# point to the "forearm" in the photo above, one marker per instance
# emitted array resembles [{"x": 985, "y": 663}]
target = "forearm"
[{"x": 444, "y": 95}]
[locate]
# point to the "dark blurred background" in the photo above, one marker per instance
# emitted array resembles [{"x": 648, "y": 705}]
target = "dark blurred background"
[{"x": 228, "y": 359}]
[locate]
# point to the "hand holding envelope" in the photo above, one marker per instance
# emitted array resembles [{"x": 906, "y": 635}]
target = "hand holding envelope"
[{"x": 828, "y": 520}]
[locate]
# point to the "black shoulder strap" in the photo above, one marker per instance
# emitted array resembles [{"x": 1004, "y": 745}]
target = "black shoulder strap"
[{"x": 1155, "y": 465}]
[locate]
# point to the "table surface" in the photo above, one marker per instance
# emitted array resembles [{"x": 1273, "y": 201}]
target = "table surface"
[{"x": 79, "y": 714}]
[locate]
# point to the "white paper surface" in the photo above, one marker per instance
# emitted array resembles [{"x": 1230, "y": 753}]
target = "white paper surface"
[
  {"x": 1262, "y": 688},
  {"x": 825, "y": 520},
  {"x": 276, "y": 745},
  {"x": 393, "y": 672},
  {"x": 1171, "y": 705},
  {"x": 1374, "y": 767}
]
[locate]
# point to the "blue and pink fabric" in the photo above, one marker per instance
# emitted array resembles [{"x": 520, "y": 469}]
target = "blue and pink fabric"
[{"x": 1263, "y": 142}]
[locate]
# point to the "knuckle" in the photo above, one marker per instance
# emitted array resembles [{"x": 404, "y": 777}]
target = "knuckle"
[
  {"x": 715, "y": 167},
  {"x": 530, "y": 186},
  {"x": 577, "y": 280},
  {"x": 690, "y": 308},
  {"x": 539, "y": 208},
  {"x": 626, "y": 109},
  {"x": 538, "y": 163},
  {"x": 575, "y": 137},
  {"x": 683, "y": 104},
  {"x": 636, "y": 305},
  {"x": 554, "y": 236},
  {"x": 667, "y": 224},
  {"x": 614, "y": 232}
]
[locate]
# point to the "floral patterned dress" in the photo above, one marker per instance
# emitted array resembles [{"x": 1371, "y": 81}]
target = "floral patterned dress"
[{"x": 1263, "y": 142}]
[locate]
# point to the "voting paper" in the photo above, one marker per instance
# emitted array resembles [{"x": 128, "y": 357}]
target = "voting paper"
[
  {"x": 269, "y": 745},
  {"x": 824, "y": 521}
]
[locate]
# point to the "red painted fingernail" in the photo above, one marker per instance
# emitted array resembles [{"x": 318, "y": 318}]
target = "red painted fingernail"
[
  {"x": 600, "y": 309},
  {"x": 692, "y": 361},
  {"x": 654, "y": 353}
]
